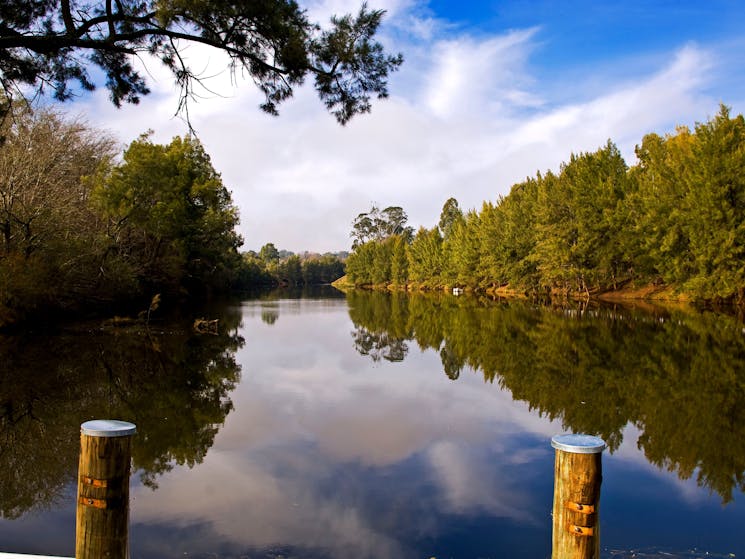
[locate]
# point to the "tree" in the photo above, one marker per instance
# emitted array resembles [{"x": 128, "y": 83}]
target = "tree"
[
  {"x": 252, "y": 271},
  {"x": 399, "y": 261},
  {"x": 360, "y": 263},
  {"x": 51, "y": 242},
  {"x": 290, "y": 271},
  {"x": 171, "y": 217},
  {"x": 660, "y": 244},
  {"x": 425, "y": 255},
  {"x": 48, "y": 45},
  {"x": 326, "y": 269},
  {"x": 462, "y": 250},
  {"x": 364, "y": 228},
  {"x": 451, "y": 213},
  {"x": 42, "y": 162},
  {"x": 716, "y": 195},
  {"x": 377, "y": 225},
  {"x": 381, "y": 272},
  {"x": 269, "y": 254},
  {"x": 578, "y": 221},
  {"x": 393, "y": 222}
]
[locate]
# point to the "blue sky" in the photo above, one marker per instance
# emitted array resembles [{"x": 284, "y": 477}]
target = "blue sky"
[{"x": 490, "y": 92}]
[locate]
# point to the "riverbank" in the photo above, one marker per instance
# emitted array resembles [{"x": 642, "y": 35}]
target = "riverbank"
[{"x": 630, "y": 293}]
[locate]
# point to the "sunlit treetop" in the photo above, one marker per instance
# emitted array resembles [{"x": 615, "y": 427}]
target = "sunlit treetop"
[{"x": 51, "y": 45}]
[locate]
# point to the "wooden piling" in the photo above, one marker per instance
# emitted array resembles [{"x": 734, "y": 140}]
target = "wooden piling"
[
  {"x": 577, "y": 480},
  {"x": 102, "y": 519}
]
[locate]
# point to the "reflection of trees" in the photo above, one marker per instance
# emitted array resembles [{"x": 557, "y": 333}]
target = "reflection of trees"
[
  {"x": 382, "y": 339},
  {"x": 379, "y": 345},
  {"x": 269, "y": 316},
  {"x": 174, "y": 385},
  {"x": 450, "y": 363},
  {"x": 677, "y": 376}
]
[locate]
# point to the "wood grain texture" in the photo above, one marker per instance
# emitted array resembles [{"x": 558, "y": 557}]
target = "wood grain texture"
[
  {"x": 102, "y": 523},
  {"x": 576, "y": 529}
]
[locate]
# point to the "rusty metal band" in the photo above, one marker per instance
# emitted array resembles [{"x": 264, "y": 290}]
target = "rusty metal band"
[
  {"x": 581, "y": 530},
  {"x": 93, "y": 482},
  {"x": 95, "y": 503},
  {"x": 580, "y": 508},
  {"x": 100, "y": 503}
]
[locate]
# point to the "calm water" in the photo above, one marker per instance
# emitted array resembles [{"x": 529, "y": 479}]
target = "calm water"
[{"x": 383, "y": 426}]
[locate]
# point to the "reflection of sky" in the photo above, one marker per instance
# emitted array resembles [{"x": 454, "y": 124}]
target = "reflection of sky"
[
  {"x": 328, "y": 454},
  {"x": 327, "y": 450},
  {"x": 331, "y": 453}
]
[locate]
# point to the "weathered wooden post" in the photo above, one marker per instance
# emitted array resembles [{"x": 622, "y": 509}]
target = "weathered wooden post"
[
  {"x": 102, "y": 528},
  {"x": 577, "y": 479}
]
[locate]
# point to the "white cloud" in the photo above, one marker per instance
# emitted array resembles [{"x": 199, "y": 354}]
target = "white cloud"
[
  {"x": 466, "y": 118},
  {"x": 626, "y": 113},
  {"x": 479, "y": 78}
]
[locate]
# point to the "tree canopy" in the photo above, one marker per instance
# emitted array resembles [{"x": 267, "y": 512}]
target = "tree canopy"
[
  {"x": 79, "y": 231},
  {"x": 675, "y": 219},
  {"x": 379, "y": 224},
  {"x": 50, "y": 45},
  {"x": 171, "y": 219}
]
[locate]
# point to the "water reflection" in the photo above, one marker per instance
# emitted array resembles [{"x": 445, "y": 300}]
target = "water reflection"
[
  {"x": 400, "y": 452},
  {"x": 329, "y": 455},
  {"x": 677, "y": 376},
  {"x": 172, "y": 383}
]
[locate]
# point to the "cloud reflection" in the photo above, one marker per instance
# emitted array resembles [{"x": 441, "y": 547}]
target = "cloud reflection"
[{"x": 326, "y": 451}]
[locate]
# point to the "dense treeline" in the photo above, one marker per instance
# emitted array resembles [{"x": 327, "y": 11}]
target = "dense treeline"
[
  {"x": 280, "y": 267},
  {"x": 82, "y": 227},
  {"x": 676, "y": 376},
  {"x": 676, "y": 218}
]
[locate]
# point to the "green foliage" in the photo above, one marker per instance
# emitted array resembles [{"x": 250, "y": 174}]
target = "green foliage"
[
  {"x": 450, "y": 215},
  {"x": 377, "y": 225},
  {"x": 353, "y": 65},
  {"x": 716, "y": 192},
  {"x": 322, "y": 270},
  {"x": 676, "y": 377},
  {"x": 380, "y": 240},
  {"x": 361, "y": 263},
  {"x": 290, "y": 271},
  {"x": 49, "y": 45},
  {"x": 677, "y": 217},
  {"x": 269, "y": 254},
  {"x": 382, "y": 260},
  {"x": 515, "y": 256},
  {"x": 576, "y": 226},
  {"x": 425, "y": 255},
  {"x": 170, "y": 216},
  {"x": 270, "y": 268},
  {"x": 252, "y": 271},
  {"x": 662, "y": 246},
  {"x": 399, "y": 261},
  {"x": 689, "y": 207},
  {"x": 77, "y": 231},
  {"x": 461, "y": 250}
]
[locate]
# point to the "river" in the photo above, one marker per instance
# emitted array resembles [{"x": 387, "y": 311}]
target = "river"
[{"x": 378, "y": 425}]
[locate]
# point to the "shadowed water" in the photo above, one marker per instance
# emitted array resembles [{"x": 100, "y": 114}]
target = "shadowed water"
[{"x": 384, "y": 425}]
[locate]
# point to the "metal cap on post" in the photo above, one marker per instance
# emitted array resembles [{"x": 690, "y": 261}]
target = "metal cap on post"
[
  {"x": 577, "y": 480},
  {"x": 102, "y": 519},
  {"x": 108, "y": 428},
  {"x": 578, "y": 444}
]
